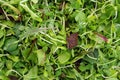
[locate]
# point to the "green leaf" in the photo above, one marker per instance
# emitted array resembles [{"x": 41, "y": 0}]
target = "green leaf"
[
  {"x": 113, "y": 28},
  {"x": 63, "y": 57},
  {"x": 80, "y": 16},
  {"x": 33, "y": 15},
  {"x": 112, "y": 79},
  {"x": 15, "y": 52},
  {"x": 10, "y": 44},
  {"x": 32, "y": 74},
  {"x": 14, "y": 1},
  {"x": 76, "y": 4},
  {"x": 8, "y": 23},
  {"x": 90, "y": 59},
  {"x": 45, "y": 73},
  {"x": 25, "y": 53},
  {"x": 1, "y": 33},
  {"x": 9, "y": 64},
  {"x": 91, "y": 17},
  {"x": 2, "y": 41},
  {"x": 40, "y": 56},
  {"x": 10, "y": 6},
  {"x": 58, "y": 72},
  {"x": 14, "y": 58},
  {"x": 35, "y": 1}
]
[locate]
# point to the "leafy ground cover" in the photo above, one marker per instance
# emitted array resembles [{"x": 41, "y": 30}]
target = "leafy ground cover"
[{"x": 60, "y": 39}]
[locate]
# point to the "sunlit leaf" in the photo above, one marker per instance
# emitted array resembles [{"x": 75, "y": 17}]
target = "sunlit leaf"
[
  {"x": 34, "y": 1},
  {"x": 63, "y": 57},
  {"x": 41, "y": 57},
  {"x": 80, "y": 16},
  {"x": 32, "y": 74}
]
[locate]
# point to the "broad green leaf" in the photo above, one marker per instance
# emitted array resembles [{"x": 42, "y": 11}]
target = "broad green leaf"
[
  {"x": 13, "y": 58},
  {"x": 25, "y": 53},
  {"x": 84, "y": 67},
  {"x": 80, "y": 16},
  {"x": 58, "y": 72},
  {"x": 10, "y": 44},
  {"x": 93, "y": 27},
  {"x": 32, "y": 74},
  {"x": 40, "y": 56},
  {"x": 63, "y": 57},
  {"x": 9, "y": 64},
  {"x": 15, "y": 52},
  {"x": 45, "y": 73},
  {"x": 76, "y": 4},
  {"x": 91, "y": 17}
]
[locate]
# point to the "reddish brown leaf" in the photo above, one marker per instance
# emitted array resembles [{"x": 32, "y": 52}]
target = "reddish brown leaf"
[
  {"x": 19, "y": 18},
  {"x": 13, "y": 78},
  {"x": 72, "y": 40},
  {"x": 11, "y": 18}
]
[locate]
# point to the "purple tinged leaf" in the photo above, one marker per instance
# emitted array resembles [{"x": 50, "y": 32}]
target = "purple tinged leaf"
[
  {"x": 72, "y": 40},
  {"x": 101, "y": 36}
]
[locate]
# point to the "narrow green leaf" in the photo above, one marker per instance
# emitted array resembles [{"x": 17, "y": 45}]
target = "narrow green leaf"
[
  {"x": 33, "y": 15},
  {"x": 1, "y": 33},
  {"x": 2, "y": 41}
]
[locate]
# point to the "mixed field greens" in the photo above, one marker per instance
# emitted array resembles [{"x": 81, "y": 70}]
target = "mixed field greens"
[{"x": 59, "y": 39}]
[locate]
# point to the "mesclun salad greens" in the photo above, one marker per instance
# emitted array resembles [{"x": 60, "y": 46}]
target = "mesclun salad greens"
[{"x": 60, "y": 39}]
